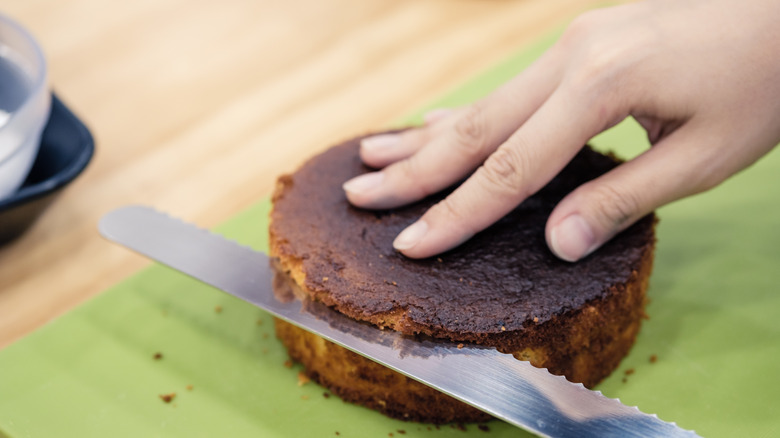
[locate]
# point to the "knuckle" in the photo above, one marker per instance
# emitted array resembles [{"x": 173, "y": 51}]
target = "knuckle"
[
  {"x": 707, "y": 175},
  {"x": 416, "y": 136},
  {"x": 456, "y": 211},
  {"x": 615, "y": 208},
  {"x": 598, "y": 65},
  {"x": 471, "y": 132},
  {"x": 601, "y": 54},
  {"x": 411, "y": 174},
  {"x": 599, "y": 77},
  {"x": 708, "y": 166},
  {"x": 504, "y": 170},
  {"x": 584, "y": 24},
  {"x": 706, "y": 181},
  {"x": 582, "y": 28},
  {"x": 449, "y": 208},
  {"x": 407, "y": 170}
]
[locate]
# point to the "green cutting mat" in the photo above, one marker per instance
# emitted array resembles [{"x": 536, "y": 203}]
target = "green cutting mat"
[{"x": 712, "y": 328}]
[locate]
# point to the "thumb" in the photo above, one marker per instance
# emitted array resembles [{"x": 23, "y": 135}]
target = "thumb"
[{"x": 596, "y": 211}]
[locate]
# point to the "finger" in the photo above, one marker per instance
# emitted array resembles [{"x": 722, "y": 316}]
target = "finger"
[
  {"x": 381, "y": 150},
  {"x": 520, "y": 167},
  {"x": 476, "y": 133},
  {"x": 436, "y": 115},
  {"x": 678, "y": 166}
]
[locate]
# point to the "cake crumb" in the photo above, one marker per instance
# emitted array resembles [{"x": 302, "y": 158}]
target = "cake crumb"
[
  {"x": 381, "y": 256},
  {"x": 624, "y": 380},
  {"x": 459, "y": 426},
  {"x": 167, "y": 398},
  {"x": 536, "y": 319},
  {"x": 304, "y": 397},
  {"x": 429, "y": 428},
  {"x": 189, "y": 387},
  {"x": 629, "y": 371},
  {"x": 259, "y": 322},
  {"x": 460, "y": 279},
  {"x": 326, "y": 395},
  {"x": 503, "y": 329},
  {"x": 288, "y": 363},
  {"x": 390, "y": 434},
  {"x": 438, "y": 259},
  {"x": 303, "y": 378},
  {"x": 325, "y": 279},
  {"x": 483, "y": 427},
  {"x": 653, "y": 358},
  {"x": 218, "y": 309},
  {"x": 460, "y": 346},
  {"x": 402, "y": 432},
  {"x": 157, "y": 356},
  {"x": 337, "y": 433}
]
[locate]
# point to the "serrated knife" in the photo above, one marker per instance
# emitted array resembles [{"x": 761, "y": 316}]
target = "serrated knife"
[{"x": 512, "y": 390}]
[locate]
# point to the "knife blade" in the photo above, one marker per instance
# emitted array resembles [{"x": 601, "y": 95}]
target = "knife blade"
[{"x": 512, "y": 390}]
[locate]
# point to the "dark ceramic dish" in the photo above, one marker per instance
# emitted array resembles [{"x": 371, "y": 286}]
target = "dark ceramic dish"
[{"x": 66, "y": 149}]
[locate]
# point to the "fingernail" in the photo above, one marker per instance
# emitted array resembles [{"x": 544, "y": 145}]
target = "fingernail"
[
  {"x": 411, "y": 236},
  {"x": 380, "y": 141},
  {"x": 572, "y": 239},
  {"x": 364, "y": 183},
  {"x": 435, "y": 115}
]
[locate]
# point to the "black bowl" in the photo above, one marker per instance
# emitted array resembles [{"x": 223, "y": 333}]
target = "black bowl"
[{"x": 66, "y": 149}]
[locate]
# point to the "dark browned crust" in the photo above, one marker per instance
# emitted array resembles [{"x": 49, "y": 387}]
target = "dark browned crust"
[
  {"x": 503, "y": 288},
  {"x": 499, "y": 282}
]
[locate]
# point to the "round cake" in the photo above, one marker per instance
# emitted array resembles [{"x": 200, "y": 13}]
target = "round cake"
[{"x": 503, "y": 288}]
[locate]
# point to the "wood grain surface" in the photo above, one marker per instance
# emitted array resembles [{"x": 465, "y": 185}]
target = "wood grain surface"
[{"x": 196, "y": 106}]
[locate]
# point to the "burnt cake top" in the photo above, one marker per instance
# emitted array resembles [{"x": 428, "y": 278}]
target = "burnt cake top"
[{"x": 501, "y": 279}]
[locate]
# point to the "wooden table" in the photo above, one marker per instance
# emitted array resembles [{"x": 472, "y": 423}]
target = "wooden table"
[{"x": 197, "y": 106}]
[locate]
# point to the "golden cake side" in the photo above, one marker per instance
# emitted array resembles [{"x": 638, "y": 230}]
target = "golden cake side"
[{"x": 584, "y": 345}]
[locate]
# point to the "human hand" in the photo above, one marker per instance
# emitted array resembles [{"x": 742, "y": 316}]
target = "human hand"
[{"x": 702, "y": 77}]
